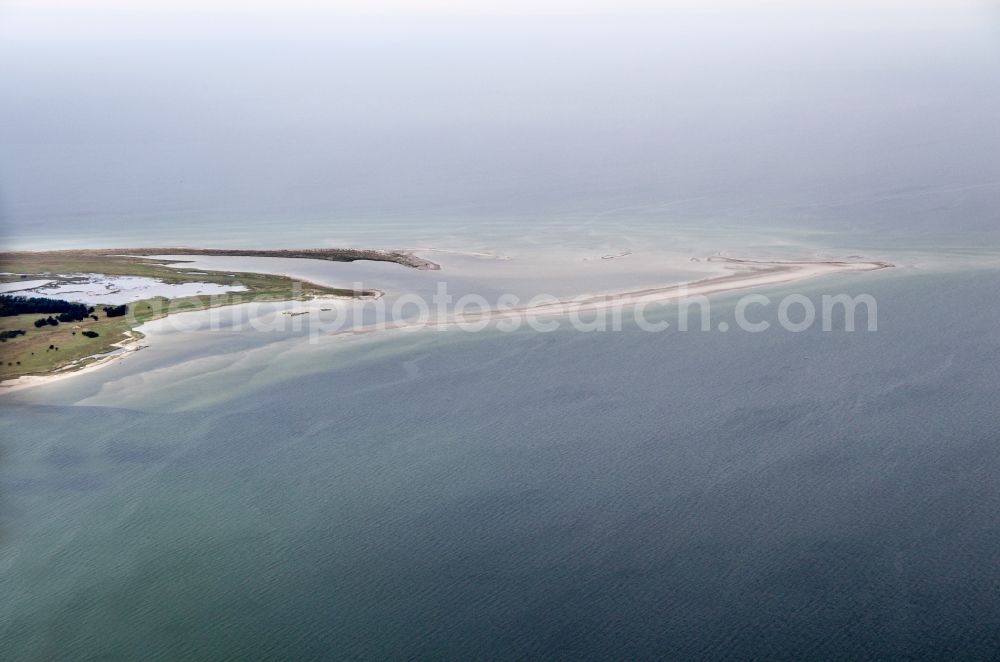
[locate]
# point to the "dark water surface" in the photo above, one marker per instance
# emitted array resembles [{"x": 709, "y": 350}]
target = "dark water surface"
[{"x": 563, "y": 495}]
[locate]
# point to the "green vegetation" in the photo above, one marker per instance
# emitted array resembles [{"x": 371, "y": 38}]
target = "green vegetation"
[
  {"x": 27, "y": 349},
  {"x": 11, "y": 304}
]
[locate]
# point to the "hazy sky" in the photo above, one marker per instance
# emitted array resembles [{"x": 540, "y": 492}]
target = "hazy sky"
[
  {"x": 161, "y": 113},
  {"x": 465, "y": 7},
  {"x": 26, "y": 20}
]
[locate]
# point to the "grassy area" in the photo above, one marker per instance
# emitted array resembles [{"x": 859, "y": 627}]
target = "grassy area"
[
  {"x": 45, "y": 265},
  {"x": 31, "y": 354}
]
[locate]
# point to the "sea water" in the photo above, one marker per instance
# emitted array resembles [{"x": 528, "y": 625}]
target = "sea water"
[
  {"x": 234, "y": 493},
  {"x": 510, "y": 495}
]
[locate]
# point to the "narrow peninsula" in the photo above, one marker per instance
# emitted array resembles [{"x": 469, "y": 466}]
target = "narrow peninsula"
[{"x": 47, "y": 335}]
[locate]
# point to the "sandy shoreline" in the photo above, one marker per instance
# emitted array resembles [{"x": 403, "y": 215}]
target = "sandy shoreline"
[
  {"x": 85, "y": 365},
  {"x": 751, "y": 274},
  {"x": 756, "y": 274}
]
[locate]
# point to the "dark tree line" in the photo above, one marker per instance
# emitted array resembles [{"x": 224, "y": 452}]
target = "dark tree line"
[
  {"x": 56, "y": 309},
  {"x": 14, "y": 333},
  {"x": 66, "y": 311}
]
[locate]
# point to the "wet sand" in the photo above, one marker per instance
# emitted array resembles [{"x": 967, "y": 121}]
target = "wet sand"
[{"x": 750, "y": 274}]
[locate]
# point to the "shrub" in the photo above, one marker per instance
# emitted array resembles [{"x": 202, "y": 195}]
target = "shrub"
[{"x": 115, "y": 311}]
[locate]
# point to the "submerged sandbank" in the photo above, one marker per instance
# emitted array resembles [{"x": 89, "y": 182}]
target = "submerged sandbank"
[{"x": 752, "y": 273}]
